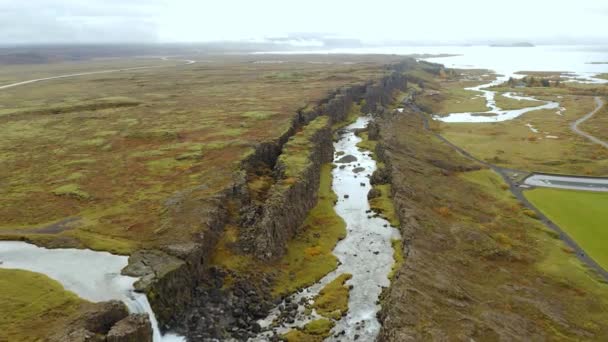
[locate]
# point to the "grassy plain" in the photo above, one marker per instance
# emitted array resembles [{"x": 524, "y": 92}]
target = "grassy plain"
[
  {"x": 463, "y": 227},
  {"x": 582, "y": 214},
  {"x": 33, "y": 305},
  {"x": 105, "y": 161}
]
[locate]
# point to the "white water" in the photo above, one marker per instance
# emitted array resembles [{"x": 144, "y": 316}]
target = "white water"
[
  {"x": 356, "y": 252},
  {"x": 94, "y": 276}
]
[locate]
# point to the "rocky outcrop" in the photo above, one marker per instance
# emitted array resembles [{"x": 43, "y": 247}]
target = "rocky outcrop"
[
  {"x": 287, "y": 205},
  {"x": 133, "y": 328},
  {"x": 107, "y": 321}
]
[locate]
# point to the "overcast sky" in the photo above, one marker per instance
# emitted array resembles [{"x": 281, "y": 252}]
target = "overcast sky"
[{"x": 89, "y": 21}]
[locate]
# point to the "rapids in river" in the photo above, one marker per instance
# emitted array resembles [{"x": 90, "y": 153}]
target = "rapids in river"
[{"x": 366, "y": 252}]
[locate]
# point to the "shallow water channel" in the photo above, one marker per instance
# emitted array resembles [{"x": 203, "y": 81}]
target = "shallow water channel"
[
  {"x": 366, "y": 252},
  {"x": 94, "y": 276},
  {"x": 495, "y": 114}
]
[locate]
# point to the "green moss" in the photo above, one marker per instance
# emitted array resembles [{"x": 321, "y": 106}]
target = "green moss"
[
  {"x": 315, "y": 331},
  {"x": 295, "y": 156},
  {"x": 99, "y": 242},
  {"x": 383, "y": 204},
  {"x": 397, "y": 256},
  {"x": 320, "y": 327},
  {"x": 71, "y": 190},
  {"x": 582, "y": 214},
  {"x": 332, "y": 300},
  {"x": 33, "y": 305},
  {"x": 367, "y": 144}
]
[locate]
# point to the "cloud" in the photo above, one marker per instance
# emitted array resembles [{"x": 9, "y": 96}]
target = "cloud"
[
  {"x": 69, "y": 21},
  {"x": 84, "y": 21}
]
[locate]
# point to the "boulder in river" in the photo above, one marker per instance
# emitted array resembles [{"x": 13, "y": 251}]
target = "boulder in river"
[{"x": 347, "y": 159}]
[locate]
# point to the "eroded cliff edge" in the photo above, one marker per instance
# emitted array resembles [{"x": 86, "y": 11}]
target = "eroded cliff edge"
[{"x": 188, "y": 292}]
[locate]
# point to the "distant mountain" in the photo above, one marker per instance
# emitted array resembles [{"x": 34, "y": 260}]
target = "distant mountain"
[{"x": 519, "y": 44}]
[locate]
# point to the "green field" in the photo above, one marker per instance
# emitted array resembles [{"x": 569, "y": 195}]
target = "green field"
[{"x": 582, "y": 214}]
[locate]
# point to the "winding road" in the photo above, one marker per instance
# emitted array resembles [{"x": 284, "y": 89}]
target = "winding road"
[
  {"x": 574, "y": 126},
  {"x": 12, "y": 85}
]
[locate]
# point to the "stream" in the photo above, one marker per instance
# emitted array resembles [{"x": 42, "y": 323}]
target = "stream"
[
  {"x": 366, "y": 251},
  {"x": 94, "y": 276},
  {"x": 495, "y": 114}
]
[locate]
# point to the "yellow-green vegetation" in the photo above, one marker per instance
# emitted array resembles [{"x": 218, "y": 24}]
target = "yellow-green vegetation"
[
  {"x": 602, "y": 76},
  {"x": 581, "y": 214},
  {"x": 72, "y": 190},
  {"x": 554, "y": 148},
  {"x": 367, "y": 144},
  {"x": 315, "y": 331},
  {"x": 127, "y": 153},
  {"x": 309, "y": 254},
  {"x": 383, "y": 204},
  {"x": 506, "y": 103},
  {"x": 398, "y": 256},
  {"x": 296, "y": 152},
  {"x": 33, "y": 305},
  {"x": 332, "y": 300}
]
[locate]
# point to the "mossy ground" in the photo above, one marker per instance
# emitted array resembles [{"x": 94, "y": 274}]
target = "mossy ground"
[
  {"x": 397, "y": 245},
  {"x": 332, "y": 300},
  {"x": 315, "y": 331},
  {"x": 383, "y": 204},
  {"x": 33, "y": 305},
  {"x": 71, "y": 148},
  {"x": 581, "y": 214}
]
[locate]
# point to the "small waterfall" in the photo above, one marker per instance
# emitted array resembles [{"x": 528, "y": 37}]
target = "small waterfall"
[{"x": 73, "y": 268}]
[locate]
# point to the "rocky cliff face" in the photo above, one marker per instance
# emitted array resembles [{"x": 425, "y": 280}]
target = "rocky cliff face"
[
  {"x": 107, "y": 321},
  {"x": 185, "y": 291}
]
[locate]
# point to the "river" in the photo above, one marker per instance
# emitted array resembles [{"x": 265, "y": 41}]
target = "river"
[{"x": 366, "y": 252}]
